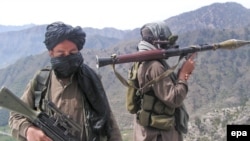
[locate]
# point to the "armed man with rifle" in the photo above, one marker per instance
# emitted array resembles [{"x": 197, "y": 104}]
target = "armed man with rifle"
[{"x": 69, "y": 92}]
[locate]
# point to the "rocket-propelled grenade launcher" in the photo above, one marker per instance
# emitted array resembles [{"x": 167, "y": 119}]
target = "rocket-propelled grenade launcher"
[{"x": 166, "y": 53}]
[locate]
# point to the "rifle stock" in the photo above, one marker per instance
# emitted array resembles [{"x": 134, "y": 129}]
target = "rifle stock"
[
  {"x": 166, "y": 53},
  {"x": 58, "y": 129},
  {"x": 10, "y": 101}
]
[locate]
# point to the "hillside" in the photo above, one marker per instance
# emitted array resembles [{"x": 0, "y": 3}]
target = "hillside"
[
  {"x": 212, "y": 126},
  {"x": 220, "y": 81},
  {"x": 25, "y": 42},
  {"x": 228, "y": 15}
]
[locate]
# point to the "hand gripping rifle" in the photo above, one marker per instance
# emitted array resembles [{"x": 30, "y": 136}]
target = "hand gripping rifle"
[
  {"x": 58, "y": 128},
  {"x": 166, "y": 53}
]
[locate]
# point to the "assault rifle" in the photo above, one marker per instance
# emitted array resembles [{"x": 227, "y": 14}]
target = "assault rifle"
[
  {"x": 58, "y": 128},
  {"x": 166, "y": 53}
]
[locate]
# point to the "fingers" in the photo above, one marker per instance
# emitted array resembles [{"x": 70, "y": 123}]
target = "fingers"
[
  {"x": 188, "y": 71},
  {"x": 193, "y": 56},
  {"x": 35, "y": 134},
  {"x": 187, "y": 68},
  {"x": 187, "y": 76}
]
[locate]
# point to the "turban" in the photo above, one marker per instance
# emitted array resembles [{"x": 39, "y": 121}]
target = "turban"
[
  {"x": 157, "y": 31},
  {"x": 59, "y": 31}
]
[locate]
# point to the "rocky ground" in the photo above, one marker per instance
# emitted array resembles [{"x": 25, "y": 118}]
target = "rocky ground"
[{"x": 212, "y": 126}]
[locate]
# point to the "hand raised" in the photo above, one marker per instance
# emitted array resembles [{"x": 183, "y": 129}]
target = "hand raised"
[{"x": 187, "y": 67}]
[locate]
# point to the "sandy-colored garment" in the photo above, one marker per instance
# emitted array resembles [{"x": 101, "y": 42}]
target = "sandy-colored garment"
[
  {"x": 170, "y": 94},
  {"x": 68, "y": 98}
]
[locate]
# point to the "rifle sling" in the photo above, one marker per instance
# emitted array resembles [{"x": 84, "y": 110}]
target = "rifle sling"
[
  {"x": 41, "y": 78},
  {"x": 157, "y": 79}
]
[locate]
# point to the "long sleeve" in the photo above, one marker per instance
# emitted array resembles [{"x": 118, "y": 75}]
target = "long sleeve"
[{"x": 166, "y": 90}]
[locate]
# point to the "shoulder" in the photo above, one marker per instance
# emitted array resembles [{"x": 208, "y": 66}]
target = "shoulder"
[
  {"x": 154, "y": 65},
  {"x": 87, "y": 70},
  {"x": 151, "y": 69},
  {"x": 40, "y": 77}
]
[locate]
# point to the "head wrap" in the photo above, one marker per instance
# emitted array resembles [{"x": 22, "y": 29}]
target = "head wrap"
[
  {"x": 159, "y": 30},
  {"x": 59, "y": 31}
]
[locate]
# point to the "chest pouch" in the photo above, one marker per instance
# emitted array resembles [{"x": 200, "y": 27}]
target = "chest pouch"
[{"x": 154, "y": 113}]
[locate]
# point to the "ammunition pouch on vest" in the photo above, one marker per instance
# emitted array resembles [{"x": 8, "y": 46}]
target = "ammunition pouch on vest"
[
  {"x": 151, "y": 112},
  {"x": 154, "y": 113},
  {"x": 182, "y": 118}
]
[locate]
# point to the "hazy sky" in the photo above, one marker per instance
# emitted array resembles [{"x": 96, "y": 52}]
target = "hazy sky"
[{"x": 120, "y": 14}]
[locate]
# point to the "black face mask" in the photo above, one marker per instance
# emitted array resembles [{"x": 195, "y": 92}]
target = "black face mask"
[{"x": 64, "y": 67}]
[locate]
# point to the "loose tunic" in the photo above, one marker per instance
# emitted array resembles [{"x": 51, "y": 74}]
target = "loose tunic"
[
  {"x": 68, "y": 99},
  {"x": 166, "y": 91}
]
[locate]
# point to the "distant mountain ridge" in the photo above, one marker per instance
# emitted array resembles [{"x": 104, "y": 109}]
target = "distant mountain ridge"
[
  {"x": 214, "y": 16},
  {"x": 28, "y": 39},
  {"x": 7, "y": 28},
  {"x": 18, "y": 44}
]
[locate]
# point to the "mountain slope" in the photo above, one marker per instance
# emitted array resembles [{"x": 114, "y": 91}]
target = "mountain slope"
[
  {"x": 215, "y": 16},
  {"x": 25, "y": 42}
]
